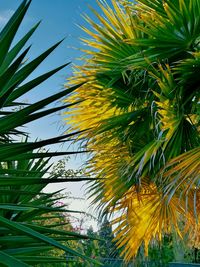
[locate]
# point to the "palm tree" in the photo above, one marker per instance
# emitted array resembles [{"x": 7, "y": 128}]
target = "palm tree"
[
  {"x": 140, "y": 102},
  {"x": 26, "y": 236}
]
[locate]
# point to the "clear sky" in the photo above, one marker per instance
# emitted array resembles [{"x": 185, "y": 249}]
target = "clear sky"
[{"x": 59, "y": 19}]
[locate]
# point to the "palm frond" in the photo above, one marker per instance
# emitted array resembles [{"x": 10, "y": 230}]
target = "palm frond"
[{"x": 140, "y": 102}]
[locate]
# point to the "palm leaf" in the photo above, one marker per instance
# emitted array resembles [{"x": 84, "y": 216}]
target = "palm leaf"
[{"x": 140, "y": 102}]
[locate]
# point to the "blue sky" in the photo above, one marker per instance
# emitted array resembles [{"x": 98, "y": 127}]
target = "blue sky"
[{"x": 59, "y": 19}]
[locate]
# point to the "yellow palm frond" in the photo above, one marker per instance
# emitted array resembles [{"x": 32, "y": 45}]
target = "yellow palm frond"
[
  {"x": 182, "y": 175},
  {"x": 140, "y": 106},
  {"x": 145, "y": 217}
]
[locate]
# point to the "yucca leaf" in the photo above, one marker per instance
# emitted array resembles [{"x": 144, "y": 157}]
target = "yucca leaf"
[
  {"x": 21, "y": 90},
  {"x": 60, "y": 235},
  {"x": 16, "y": 49},
  {"x": 25, "y": 71},
  {"x": 9, "y": 31},
  {"x": 24, "y": 239},
  {"x": 20, "y": 192},
  {"x": 44, "y": 113},
  {"x": 7, "y": 75},
  {"x": 24, "y": 229},
  {"x": 12, "y": 151},
  {"x": 27, "y": 250},
  {"x": 29, "y": 181},
  {"x": 41, "y": 155},
  {"x": 42, "y": 259},
  {"x": 43, "y": 229},
  {"x": 11, "y": 261},
  {"x": 32, "y": 207},
  {"x": 20, "y": 117}
]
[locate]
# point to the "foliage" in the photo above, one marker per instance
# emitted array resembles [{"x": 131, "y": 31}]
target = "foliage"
[
  {"x": 107, "y": 246},
  {"x": 25, "y": 233},
  {"x": 162, "y": 252},
  {"x": 101, "y": 247},
  {"x": 140, "y": 102},
  {"x": 60, "y": 169}
]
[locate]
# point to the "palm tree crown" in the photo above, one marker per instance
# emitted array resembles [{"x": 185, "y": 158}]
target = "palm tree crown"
[{"x": 140, "y": 104}]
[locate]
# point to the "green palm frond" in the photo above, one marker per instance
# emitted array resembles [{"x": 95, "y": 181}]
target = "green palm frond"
[{"x": 140, "y": 102}]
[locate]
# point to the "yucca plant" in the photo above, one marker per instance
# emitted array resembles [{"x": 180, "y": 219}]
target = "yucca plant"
[
  {"x": 31, "y": 220},
  {"x": 140, "y": 102},
  {"x": 26, "y": 236}
]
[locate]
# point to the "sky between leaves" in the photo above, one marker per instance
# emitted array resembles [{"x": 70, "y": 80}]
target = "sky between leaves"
[{"x": 60, "y": 19}]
